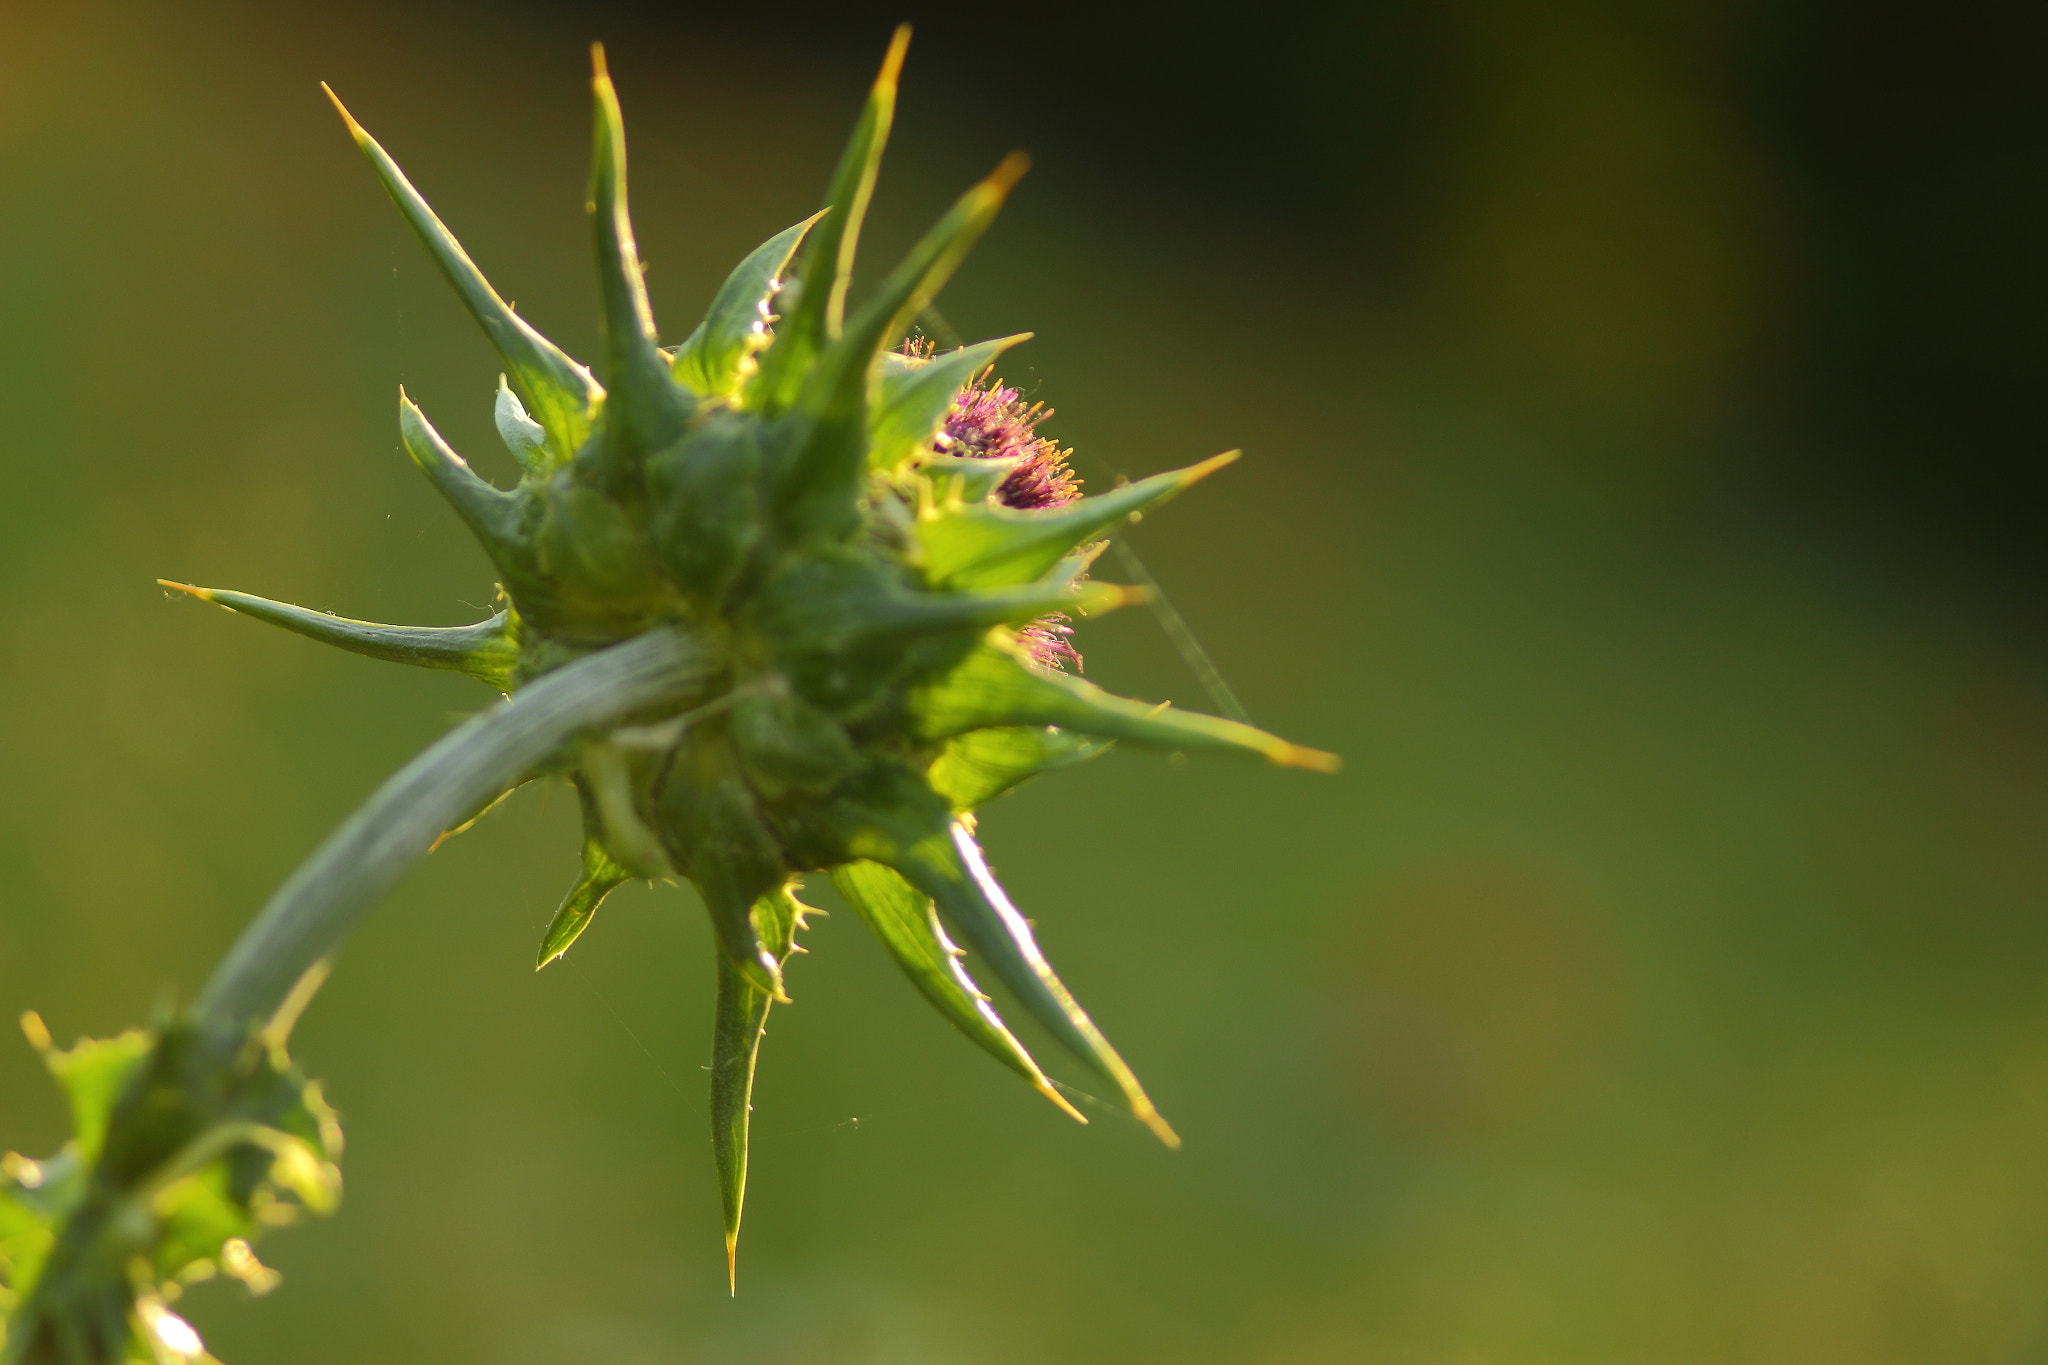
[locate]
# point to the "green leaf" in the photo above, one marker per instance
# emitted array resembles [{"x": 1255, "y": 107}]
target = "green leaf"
[
  {"x": 579, "y": 907},
  {"x": 559, "y": 393},
  {"x": 910, "y": 288},
  {"x": 825, "y": 268},
  {"x": 487, "y": 651},
  {"x": 732, "y": 924},
  {"x": 994, "y": 687},
  {"x": 717, "y": 358},
  {"x": 590, "y": 558},
  {"x": 975, "y": 768},
  {"x": 940, "y": 613},
  {"x": 484, "y": 806},
  {"x": 491, "y": 513},
  {"x": 601, "y": 875},
  {"x": 946, "y": 865},
  {"x": 912, "y": 399},
  {"x": 34, "y": 1196},
  {"x": 907, "y": 925},
  {"x": 92, "y": 1073},
  {"x": 777, "y": 916},
  {"x": 611, "y": 779},
  {"x": 788, "y": 749},
  {"x": 705, "y": 493},
  {"x": 966, "y": 481},
  {"x": 190, "y": 1144},
  {"x": 820, "y": 488},
  {"x": 709, "y": 821},
  {"x": 742, "y": 1013},
  {"x": 646, "y": 410},
  {"x": 524, "y": 437},
  {"x": 986, "y": 545}
]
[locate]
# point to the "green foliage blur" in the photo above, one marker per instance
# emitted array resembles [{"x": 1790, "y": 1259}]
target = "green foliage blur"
[{"x": 1662, "y": 980}]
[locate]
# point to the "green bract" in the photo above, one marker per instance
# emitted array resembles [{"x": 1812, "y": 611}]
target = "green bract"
[
  {"x": 182, "y": 1156},
  {"x": 769, "y": 491}
]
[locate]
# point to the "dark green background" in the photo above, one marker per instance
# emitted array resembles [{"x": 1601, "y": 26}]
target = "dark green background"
[{"x": 1642, "y": 492}]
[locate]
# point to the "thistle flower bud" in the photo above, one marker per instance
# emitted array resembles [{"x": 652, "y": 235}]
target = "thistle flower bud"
[
  {"x": 183, "y": 1154},
  {"x": 878, "y": 554}
]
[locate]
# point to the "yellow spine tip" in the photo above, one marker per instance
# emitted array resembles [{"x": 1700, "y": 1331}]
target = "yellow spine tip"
[
  {"x": 1045, "y": 1089},
  {"x": 33, "y": 1028},
  {"x": 1315, "y": 760},
  {"x": 732, "y": 1264},
  {"x": 1159, "y": 1126},
  {"x": 892, "y": 61},
  {"x": 1007, "y": 173},
  {"x": 597, "y": 66},
  {"x": 203, "y": 594},
  {"x": 355, "y": 130}
]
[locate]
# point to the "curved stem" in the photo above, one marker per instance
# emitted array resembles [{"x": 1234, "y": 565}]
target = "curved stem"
[{"x": 311, "y": 912}]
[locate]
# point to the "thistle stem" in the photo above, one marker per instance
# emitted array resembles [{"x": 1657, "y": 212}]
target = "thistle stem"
[{"x": 313, "y": 910}]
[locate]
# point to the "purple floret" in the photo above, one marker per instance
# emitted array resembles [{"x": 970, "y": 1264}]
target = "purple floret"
[
  {"x": 1049, "y": 641},
  {"x": 989, "y": 421}
]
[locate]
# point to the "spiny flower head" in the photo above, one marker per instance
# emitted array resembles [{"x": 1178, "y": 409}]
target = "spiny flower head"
[{"x": 876, "y": 557}]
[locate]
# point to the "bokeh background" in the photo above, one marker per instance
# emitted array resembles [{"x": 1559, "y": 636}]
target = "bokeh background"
[{"x": 1643, "y": 491}]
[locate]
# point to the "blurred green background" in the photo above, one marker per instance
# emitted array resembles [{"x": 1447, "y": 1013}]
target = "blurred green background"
[{"x": 1642, "y": 492}]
